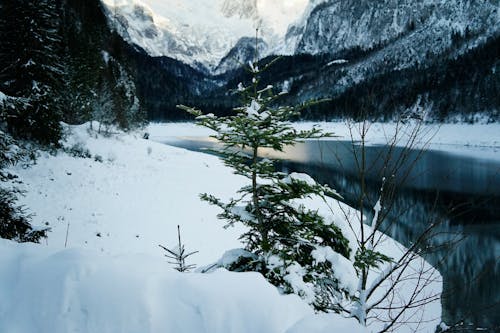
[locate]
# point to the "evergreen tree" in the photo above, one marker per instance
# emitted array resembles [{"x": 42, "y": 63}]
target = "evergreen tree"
[
  {"x": 127, "y": 109},
  {"x": 14, "y": 222},
  {"x": 80, "y": 86},
  {"x": 103, "y": 107},
  {"x": 30, "y": 55},
  {"x": 283, "y": 236}
]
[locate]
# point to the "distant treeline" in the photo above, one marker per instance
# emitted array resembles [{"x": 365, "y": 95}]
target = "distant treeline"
[{"x": 447, "y": 86}]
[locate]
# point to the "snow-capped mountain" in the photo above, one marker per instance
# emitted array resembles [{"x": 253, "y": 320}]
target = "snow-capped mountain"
[
  {"x": 330, "y": 26},
  {"x": 397, "y": 34},
  {"x": 197, "y": 32},
  {"x": 243, "y": 52},
  {"x": 205, "y": 33}
]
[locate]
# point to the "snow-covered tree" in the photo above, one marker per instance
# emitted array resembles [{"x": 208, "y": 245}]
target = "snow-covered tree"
[
  {"x": 103, "y": 107},
  {"x": 31, "y": 67},
  {"x": 80, "y": 85},
  {"x": 295, "y": 248},
  {"x": 14, "y": 221},
  {"x": 128, "y": 112}
]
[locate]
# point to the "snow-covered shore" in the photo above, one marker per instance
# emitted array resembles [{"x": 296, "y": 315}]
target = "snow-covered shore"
[
  {"x": 113, "y": 210},
  {"x": 474, "y": 140}
]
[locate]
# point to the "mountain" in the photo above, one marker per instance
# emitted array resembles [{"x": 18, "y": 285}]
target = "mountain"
[
  {"x": 240, "y": 8},
  {"x": 201, "y": 33},
  {"x": 379, "y": 58},
  {"x": 246, "y": 49},
  {"x": 334, "y": 25},
  {"x": 388, "y": 38},
  {"x": 405, "y": 31}
]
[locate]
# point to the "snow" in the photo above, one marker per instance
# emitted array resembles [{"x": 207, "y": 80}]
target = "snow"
[
  {"x": 343, "y": 267},
  {"x": 324, "y": 323},
  {"x": 337, "y": 62},
  {"x": 105, "y": 56},
  {"x": 228, "y": 258},
  {"x": 117, "y": 207},
  {"x": 295, "y": 277},
  {"x": 335, "y": 212},
  {"x": 160, "y": 131},
  {"x": 253, "y": 109},
  {"x": 428, "y": 316},
  {"x": 75, "y": 290},
  {"x": 134, "y": 199},
  {"x": 243, "y": 214},
  {"x": 301, "y": 177}
]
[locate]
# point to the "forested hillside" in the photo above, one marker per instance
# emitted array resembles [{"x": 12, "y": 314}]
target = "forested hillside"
[{"x": 61, "y": 62}]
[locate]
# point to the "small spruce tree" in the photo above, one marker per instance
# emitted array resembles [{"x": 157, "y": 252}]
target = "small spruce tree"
[
  {"x": 14, "y": 221},
  {"x": 179, "y": 255},
  {"x": 283, "y": 237}
]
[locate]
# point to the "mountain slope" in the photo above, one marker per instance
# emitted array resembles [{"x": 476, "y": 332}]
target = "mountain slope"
[
  {"x": 405, "y": 33},
  {"x": 334, "y": 25}
]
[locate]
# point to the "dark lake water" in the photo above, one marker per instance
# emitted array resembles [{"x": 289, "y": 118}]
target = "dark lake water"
[{"x": 462, "y": 192}]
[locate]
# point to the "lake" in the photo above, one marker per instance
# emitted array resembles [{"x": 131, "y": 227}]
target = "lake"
[{"x": 461, "y": 192}]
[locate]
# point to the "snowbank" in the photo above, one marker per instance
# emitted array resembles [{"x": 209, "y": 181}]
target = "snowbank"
[
  {"x": 45, "y": 290},
  {"x": 326, "y": 323}
]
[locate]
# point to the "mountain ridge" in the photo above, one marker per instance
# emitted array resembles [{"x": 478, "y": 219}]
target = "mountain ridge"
[{"x": 197, "y": 33}]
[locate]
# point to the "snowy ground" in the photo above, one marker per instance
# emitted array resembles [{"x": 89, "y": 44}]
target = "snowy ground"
[{"x": 113, "y": 210}]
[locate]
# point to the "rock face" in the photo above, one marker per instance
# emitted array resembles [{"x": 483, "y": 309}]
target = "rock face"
[
  {"x": 334, "y": 25},
  {"x": 243, "y": 52},
  {"x": 394, "y": 34},
  {"x": 407, "y": 29}
]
